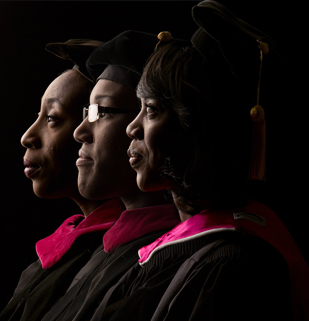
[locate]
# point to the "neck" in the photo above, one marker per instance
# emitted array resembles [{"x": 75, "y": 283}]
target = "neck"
[
  {"x": 185, "y": 207},
  {"x": 140, "y": 199},
  {"x": 184, "y": 216},
  {"x": 87, "y": 206}
]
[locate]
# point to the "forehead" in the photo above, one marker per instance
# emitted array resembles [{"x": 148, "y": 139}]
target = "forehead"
[
  {"x": 69, "y": 89},
  {"x": 113, "y": 94}
]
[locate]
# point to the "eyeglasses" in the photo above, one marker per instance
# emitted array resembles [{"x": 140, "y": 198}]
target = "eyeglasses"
[{"x": 94, "y": 111}]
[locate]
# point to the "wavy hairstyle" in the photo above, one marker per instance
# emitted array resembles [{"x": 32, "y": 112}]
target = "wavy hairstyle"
[{"x": 201, "y": 98}]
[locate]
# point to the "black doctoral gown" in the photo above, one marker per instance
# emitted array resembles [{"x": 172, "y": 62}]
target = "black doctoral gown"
[
  {"x": 119, "y": 252},
  {"x": 62, "y": 255},
  {"x": 219, "y": 264},
  {"x": 218, "y": 277},
  {"x": 38, "y": 289}
]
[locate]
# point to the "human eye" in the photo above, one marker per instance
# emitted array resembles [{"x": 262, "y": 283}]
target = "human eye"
[
  {"x": 150, "y": 107},
  {"x": 101, "y": 115},
  {"x": 151, "y": 110},
  {"x": 52, "y": 119}
]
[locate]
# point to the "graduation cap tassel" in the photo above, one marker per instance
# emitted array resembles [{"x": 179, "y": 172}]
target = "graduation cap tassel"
[{"x": 257, "y": 167}]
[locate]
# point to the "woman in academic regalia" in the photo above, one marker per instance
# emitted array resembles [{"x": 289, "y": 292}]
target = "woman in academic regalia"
[
  {"x": 102, "y": 244},
  {"x": 194, "y": 136},
  {"x": 49, "y": 162},
  {"x": 104, "y": 172}
]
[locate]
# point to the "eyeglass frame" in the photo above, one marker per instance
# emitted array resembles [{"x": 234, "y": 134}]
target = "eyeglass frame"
[{"x": 107, "y": 110}]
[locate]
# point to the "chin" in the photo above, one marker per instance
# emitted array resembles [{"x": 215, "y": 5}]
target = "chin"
[
  {"x": 153, "y": 183},
  {"x": 88, "y": 196},
  {"x": 85, "y": 191},
  {"x": 91, "y": 192},
  {"x": 53, "y": 191},
  {"x": 41, "y": 190},
  {"x": 45, "y": 193}
]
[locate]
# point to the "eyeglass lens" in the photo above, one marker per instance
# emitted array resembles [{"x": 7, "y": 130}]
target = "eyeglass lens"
[{"x": 93, "y": 114}]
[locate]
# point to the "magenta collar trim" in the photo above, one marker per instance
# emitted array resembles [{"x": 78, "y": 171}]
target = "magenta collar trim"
[
  {"x": 255, "y": 219},
  {"x": 136, "y": 223},
  {"x": 52, "y": 248}
]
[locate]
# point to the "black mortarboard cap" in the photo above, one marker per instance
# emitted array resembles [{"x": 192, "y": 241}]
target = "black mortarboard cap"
[
  {"x": 232, "y": 45},
  {"x": 222, "y": 39},
  {"x": 75, "y": 50},
  {"x": 128, "y": 51}
]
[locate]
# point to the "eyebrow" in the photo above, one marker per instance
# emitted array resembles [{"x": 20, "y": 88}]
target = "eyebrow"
[
  {"x": 98, "y": 97},
  {"x": 111, "y": 100},
  {"x": 49, "y": 101},
  {"x": 53, "y": 100}
]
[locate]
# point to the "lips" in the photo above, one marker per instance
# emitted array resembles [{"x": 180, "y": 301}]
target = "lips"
[
  {"x": 30, "y": 168},
  {"x": 135, "y": 157},
  {"x": 83, "y": 159}
]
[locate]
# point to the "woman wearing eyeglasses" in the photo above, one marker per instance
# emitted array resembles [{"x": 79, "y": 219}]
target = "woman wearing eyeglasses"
[
  {"x": 74, "y": 253},
  {"x": 193, "y": 137},
  {"x": 104, "y": 172},
  {"x": 50, "y": 164}
]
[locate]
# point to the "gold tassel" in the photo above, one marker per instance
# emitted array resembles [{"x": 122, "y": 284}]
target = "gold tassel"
[{"x": 257, "y": 167}]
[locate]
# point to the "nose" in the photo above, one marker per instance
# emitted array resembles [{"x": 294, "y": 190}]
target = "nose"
[
  {"x": 135, "y": 129},
  {"x": 83, "y": 133},
  {"x": 31, "y": 138}
]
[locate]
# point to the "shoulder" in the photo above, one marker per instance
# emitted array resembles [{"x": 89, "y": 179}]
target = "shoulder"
[
  {"x": 239, "y": 272},
  {"x": 236, "y": 262},
  {"x": 28, "y": 276},
  {"x": 236, "y": 246}
]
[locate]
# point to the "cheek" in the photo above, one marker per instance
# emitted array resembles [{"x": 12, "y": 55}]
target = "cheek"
[
  {"x": 168, "y": 153},
  {"x": 161, "y": 144},
  {"x": 63, "y": 152},
  {"x": 111, "y": 142}
]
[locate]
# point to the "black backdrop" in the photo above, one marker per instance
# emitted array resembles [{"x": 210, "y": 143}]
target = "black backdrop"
[{"x": 26, "y": 69}]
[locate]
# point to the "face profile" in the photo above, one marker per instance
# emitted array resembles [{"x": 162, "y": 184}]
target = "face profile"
[
  {"x": 104, "y": 170},
  {"x": 51, "y": 148},
  {"x": 156, "y": 142},
  {"x": 156, "y": 137}
]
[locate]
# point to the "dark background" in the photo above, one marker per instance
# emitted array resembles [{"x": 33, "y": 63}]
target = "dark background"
[{"x": 26, "y": 69}]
